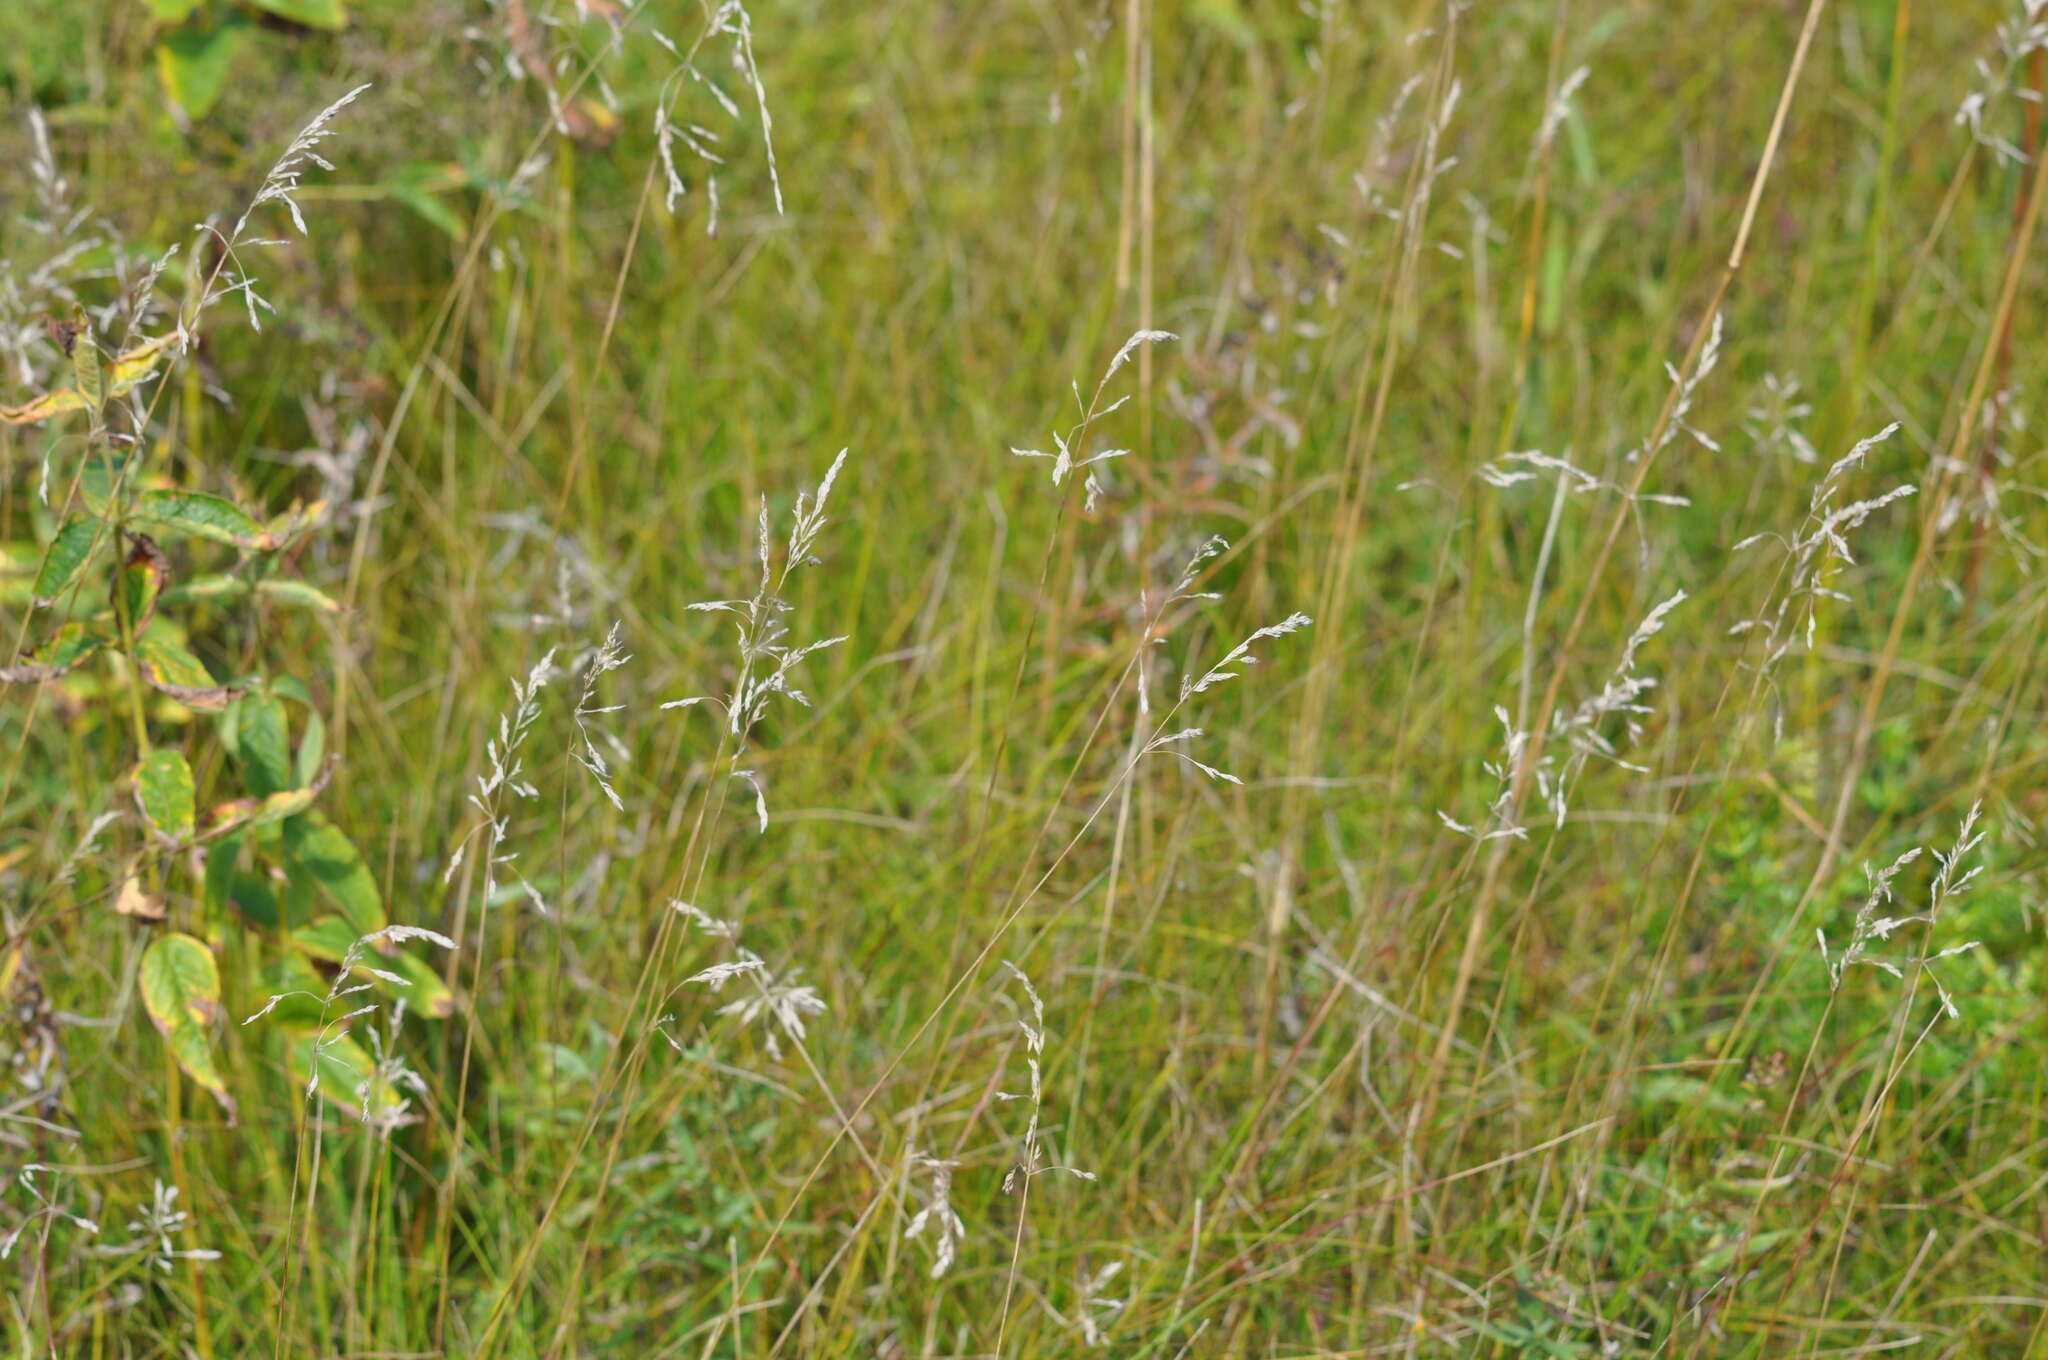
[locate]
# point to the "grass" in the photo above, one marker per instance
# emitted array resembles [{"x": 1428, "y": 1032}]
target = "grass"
[{"x": 1284, "y": 1063}]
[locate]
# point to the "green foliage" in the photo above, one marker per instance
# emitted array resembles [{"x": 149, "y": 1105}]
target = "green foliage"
[
  {"x": 261, "y": 743},
  {"x": 271, "y": 858},
  {"x": 201, "y": 516},
  {"x": 327, "y": 14},
  {"x": 335, "y": 1067},
  {"x": 507, "y": 391},
  {"x": 166, "y": 665},
  {"x": 67, "y": 555},
  {"x": 196, "y": 59},
  {"x": 317, "y": 853},
  {"x": 163, "y": 788},
  {"x": 195, "y": 64}
]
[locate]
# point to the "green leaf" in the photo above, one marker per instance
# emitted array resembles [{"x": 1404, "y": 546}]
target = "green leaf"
[
  {"x": 213, "y": 588},
  {"x": 254, "y": 901},
  {"x": 73, "y": 643},
  {"x": 331, "y": 15},
  {"x": 298, "y": 593},
  {"x": 328, "y": 939},
  {"x": 196, "y": 514},
  {"x": 181, "y": 992},
  {"x": 317, "y": 850},
  {"x": 194, "y": 65},
  {"x": 1723, "y": 1256},
  {"x": 567, "y": 1063},
  {"x": 163, "y": 789},
  {"x": 302, "y": 902},
  {"x": 223, "y": 862},
  {"x": 228, "y": 727},
  {"x": 67, "y": 556},
  {"x": 231, "y": 887},
  {"x": 1226, "y": 18},
  {"x": 263, "y": 744},
  {"x": 312, "y": 748},
  {"x": 418, "y": 187},
  {"x": 170, "y": 668},
  {"x": 222, "y": 587},
  {"x": 99, "y": 481},
  {"x": 171, "y": 11},
  {"x": 1689, "y": 1092},
  {"x": 301, "y": 992},
  {"x": 340, "y": 1071},
  {"x": 424, "y": 993}
]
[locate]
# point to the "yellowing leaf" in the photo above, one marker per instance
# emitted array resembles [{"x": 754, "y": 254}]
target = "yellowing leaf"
[
  {"x": 73, "y": 643},
  {"x": 261, "y": 811},
  {"x": 87, "y": 375},
  {"x": 128, "y": 370},
  {"x": 425, "y": 992},
  {"x": 251, "y": 812},
  {"x": 140, "y": 581},
  {"x": 181, "y": 991},
  {"x": 168, "y": 667}
]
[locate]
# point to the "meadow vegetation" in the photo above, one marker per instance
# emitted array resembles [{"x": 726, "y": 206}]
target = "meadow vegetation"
[{"x": 716, "y": 679}]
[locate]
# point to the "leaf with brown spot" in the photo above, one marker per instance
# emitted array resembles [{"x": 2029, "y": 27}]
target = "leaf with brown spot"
[
  {"x": 170, "y": 668},
  {"x": 181, "y": 991},
  {"x": 140, "y": 581},
  {"x": 241, "y": 812},
  {"x": 126, "y": 371},
  {"x": 71, "y": 644}
]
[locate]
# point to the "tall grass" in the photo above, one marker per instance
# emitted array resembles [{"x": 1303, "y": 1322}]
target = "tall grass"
[{"x": 749, "y": 680}]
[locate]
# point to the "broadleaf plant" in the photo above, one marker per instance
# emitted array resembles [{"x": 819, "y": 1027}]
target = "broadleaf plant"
[
  {"x": 198, "y": 47},
  {"x": 133, "y": 571}
]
